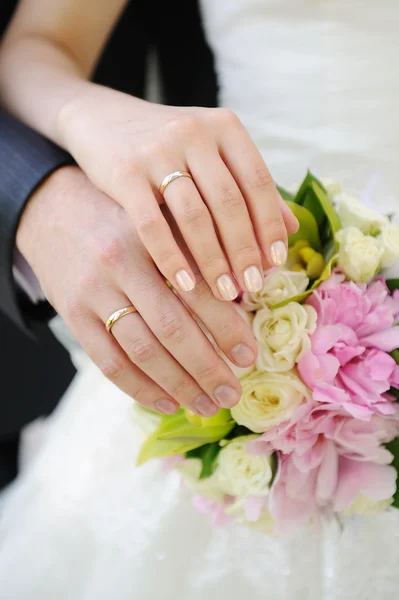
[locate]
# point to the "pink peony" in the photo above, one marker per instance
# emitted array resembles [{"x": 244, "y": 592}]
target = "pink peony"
[
  {"x": 317, "y": 448},
  {"x": 348, "y": 363}
]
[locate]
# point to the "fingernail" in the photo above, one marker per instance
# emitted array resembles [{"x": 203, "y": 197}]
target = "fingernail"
[
  {"x": 185, "y": 281},
  {"x": 226, "y": 287},
  {"x": 205, "y": 406},
  {"x": 278, "y": 253},
  {"x": 166, "y": 406},
  {"x": 226, "y": 396},
  {"x": 243, "y": 355},
  {"x": 253, "y": 279}
]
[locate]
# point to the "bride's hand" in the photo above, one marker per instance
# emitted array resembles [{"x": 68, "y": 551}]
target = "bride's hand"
[
  {"x": 90, "y": 263},
  {"x": 230, "y": 214}
]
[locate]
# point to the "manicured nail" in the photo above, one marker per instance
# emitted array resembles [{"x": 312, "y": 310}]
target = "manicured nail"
[
  {"x": 253, "y": 279},
  {"x": 243, "y": 355},
  {"x": 205, "y": 406},
  {"x": 166, "y": 406},
  {"x": 226, "y": 396},
  {"x": 226, "y": 287},
  {"x": 185, "y": 281},
  {"x": 278, "y": 253}
]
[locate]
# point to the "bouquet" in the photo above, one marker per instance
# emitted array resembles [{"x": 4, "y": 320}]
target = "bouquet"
[{"x": 315, "y": 433}]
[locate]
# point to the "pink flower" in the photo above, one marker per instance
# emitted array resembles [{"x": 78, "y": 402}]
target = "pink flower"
[
  {"x": 215, "y": 509},
  {"x": 297, "y": 497},
  {"x": 317, "y": 449},
  {"x": 348, "y": 363}
]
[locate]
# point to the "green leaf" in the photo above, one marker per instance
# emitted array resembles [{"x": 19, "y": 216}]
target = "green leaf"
[
  {"x": 308, "y": 229},
  {"x": 207, "y": 455},
  {"x": 393, "y": 284},
  {"x": 287, "y": 196},
  {"x": 394, "y": 448},
  {"x": 176, "y": 435},
  {"x": 313, "y": 196},
  {"x": 395, "y": 356}
]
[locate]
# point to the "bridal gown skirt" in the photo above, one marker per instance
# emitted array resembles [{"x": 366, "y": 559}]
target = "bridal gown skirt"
[
  {"x": 83, "y": 523},
  {"x": 317, "y": 84}
]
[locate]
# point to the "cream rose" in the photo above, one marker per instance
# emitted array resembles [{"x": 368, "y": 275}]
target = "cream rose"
[
  {"x": 265, "y": 523},
  {"x": 239, "y": 473},
  {"x": 389, "y": 239},
  {"x": 354, "y": 213},
  {"x": 268, "y": 399},
  {"x": 359, "y": 255},
  {"x": 190, "y": 471},
  {"x": 279, "y": 284},
  {"x": 283, "y": 335}
]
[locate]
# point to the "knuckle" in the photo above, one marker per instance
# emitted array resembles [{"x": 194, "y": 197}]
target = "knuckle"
[
  {"x": 74, "y": 310},
  {"x": 246, "y": 251},
  {"x": 272, "y": 222},
  {"x": 172, "y": 327},
  {"x": 231, "y": 200},
  {"x": 180, "y": 389},
  {"x": 225, "y": 116},
  {"x": 112, "y": 253},
  {"x": 215, "y": 263},
  {"x": 148, "y": 223},
  {"x": 263, "y": 180},
  {"x": 193, "y": 214},
  {"x": 142, "y": 351},
  {"x": 227, "y": 333},
  {"x": 183, "y": 126},
  {"x": 209, "y": 372},
  {"x": 112, "y": 368}
]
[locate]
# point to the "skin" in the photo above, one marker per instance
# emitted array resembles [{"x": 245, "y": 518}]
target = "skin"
[
  {"x": 98, "y": 264},
  {"x": 230, "y": 215}
]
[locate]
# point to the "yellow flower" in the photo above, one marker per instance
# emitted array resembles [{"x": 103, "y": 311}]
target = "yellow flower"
[
  {"x": 268, "y": 399},
  {"x": 283, "y": 335}
]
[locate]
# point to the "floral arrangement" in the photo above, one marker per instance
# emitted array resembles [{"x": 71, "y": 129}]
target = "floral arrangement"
[{"x": 315, "y": 433}]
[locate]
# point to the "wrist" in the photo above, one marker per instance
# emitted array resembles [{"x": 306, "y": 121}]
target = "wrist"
[{"x": 39, "y": 209}]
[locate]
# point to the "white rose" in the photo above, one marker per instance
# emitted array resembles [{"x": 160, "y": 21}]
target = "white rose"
[
  {"x": 389, "y": 239},
  {"x": 241, "y": 474},
  {"x": 283, "y": 335},
  {"x": 268, "y": 399},
  {"x": 359, "y": 255},
  {"x": 279, "y": 284},
  {"x": 364, "y": 506},
  {"x": 354, "y": 213},
  {"x": 190, "y": 470}
]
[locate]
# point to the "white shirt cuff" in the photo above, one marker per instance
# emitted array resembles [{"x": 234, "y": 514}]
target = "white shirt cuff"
[{"x": 26, "y": 279}]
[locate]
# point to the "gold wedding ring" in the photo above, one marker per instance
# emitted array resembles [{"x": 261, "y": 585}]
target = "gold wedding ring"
[
  {"x": 171, "y": 177},
  {"x": 118, "y": 314}
]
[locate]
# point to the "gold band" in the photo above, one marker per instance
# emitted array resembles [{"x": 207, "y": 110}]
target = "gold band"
[
  {"x": 118, "y": 314},
  {"x": 171, "y": 177}
]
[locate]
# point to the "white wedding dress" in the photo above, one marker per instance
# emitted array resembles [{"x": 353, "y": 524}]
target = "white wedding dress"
[{"x": 317, "y": 84}]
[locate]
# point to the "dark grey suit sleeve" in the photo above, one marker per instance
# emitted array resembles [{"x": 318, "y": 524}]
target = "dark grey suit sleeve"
[{"x": 26, "y": 159}]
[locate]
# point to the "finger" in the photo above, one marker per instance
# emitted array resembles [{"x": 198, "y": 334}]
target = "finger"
[
  {"x": 230, "y": 212},
  {"x": 196, "y": 225},
  {"x": 232, "y": 335},
  {"x": 154, "y": 232},
  {"x": 175, "y": 328},
  {"x": 109, "y": 357},
  {"x": 257, "y": 186},
  {"x": 146, "y": 352}
]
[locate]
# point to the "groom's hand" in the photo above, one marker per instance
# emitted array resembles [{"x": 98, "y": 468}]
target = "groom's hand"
[{"x": 90, "y": 262}]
